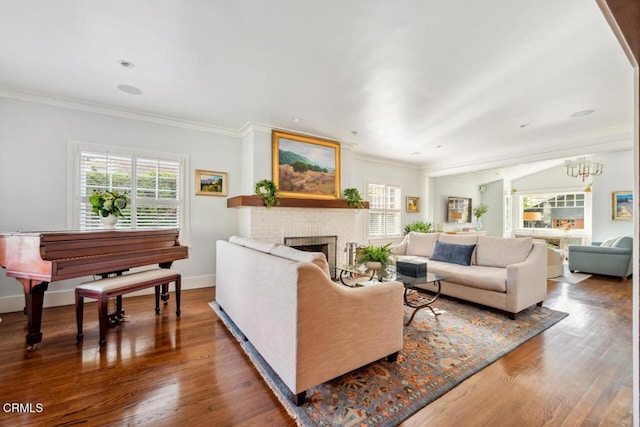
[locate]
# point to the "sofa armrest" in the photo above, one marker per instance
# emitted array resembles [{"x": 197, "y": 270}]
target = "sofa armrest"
[
  {"x": 527, "y": 280},
  {"x": 341, "y": 328},
  {"x": 400, "y": 248}
]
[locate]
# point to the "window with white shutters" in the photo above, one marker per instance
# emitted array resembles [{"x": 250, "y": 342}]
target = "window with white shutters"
[
  {"x": 384, "y": 210},
  {"x": 154, "y": 184}
]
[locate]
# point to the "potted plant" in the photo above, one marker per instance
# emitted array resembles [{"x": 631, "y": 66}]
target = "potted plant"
[
  {"x": 478, "y": 211},
  {"x": 108, "y": 205},
  {"x": 268, "y": 191},
  {"x": 419, "y": 226},
  {"x": 375, "y": 257},
  {"x": 353, "y": 198}
]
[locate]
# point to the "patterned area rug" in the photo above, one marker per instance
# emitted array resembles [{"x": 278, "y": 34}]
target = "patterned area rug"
[{"x": 439, "y": 353}]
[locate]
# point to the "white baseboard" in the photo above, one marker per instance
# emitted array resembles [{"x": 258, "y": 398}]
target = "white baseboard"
[{"x": 67, "y": 297}]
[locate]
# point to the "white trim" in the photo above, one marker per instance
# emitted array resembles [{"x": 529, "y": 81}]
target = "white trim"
[
  {"x": 10, "y": 304},
  {"x": 90, "y": 107}
]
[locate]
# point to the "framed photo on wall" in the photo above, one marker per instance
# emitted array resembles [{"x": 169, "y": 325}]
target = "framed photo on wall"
[
  {"x": 413, "y": 204},
  {"x": 622, "y": 205},
  {"x": 210, "y": 183},
  {"x": 305, "y": 166}
]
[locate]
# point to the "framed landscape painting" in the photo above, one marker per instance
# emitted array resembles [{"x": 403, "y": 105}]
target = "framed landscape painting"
[
  {"x": 305, "y": 166},
  {"x": 211, "y": 183},
  {"x": 622, "y": 205}
]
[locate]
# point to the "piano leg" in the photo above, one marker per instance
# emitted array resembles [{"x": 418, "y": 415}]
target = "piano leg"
[
  {"x": 34, "y": 297},
  {"x": 164, "y": 295}
]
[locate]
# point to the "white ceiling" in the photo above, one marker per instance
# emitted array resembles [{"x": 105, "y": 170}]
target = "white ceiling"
[{"x": 452, "y": 80}]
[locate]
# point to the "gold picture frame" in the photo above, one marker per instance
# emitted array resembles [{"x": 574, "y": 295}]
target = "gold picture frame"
[
  {"x": 210, "y": 183},
  {"x": 413, "y": 204},
  {"x": 622, "y": 205},
  {"x": 305, "y": 166}
]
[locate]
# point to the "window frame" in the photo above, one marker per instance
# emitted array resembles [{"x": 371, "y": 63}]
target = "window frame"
[
  {"x": 75, "y": 200},
  {"x": 386, "y": 234},
  {"x": 586, "y": 206}
]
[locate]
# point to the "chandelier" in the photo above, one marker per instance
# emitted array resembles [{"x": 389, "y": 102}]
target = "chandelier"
[{"x": 583, "y": 167}]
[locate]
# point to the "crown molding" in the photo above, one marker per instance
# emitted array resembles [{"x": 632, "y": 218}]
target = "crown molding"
[{"x": 73, "y": 104}]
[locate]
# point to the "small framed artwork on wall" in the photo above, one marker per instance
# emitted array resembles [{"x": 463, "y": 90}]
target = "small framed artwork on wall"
[
  {"x": 413, "y": 204},
  {"x": 622, "y": 205},
  {"x": 210, "y": 183}
]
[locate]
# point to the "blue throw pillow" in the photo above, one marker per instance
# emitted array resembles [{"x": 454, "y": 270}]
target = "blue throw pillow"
[{"x": 452, "y": 252}]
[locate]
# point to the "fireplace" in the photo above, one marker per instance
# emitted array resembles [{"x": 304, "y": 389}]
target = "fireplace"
[{"x": 325, "y": 244}]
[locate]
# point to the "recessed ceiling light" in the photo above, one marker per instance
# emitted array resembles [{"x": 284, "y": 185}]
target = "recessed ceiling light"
[
  {"x": 524, "y": 125},
  {"x": 415, "y": 153},
  {"x": 132, "y": 90},
  {"x": 438, "y": 146},
  {"x": 354, "y": 132},
  {"x": 296, "y": 119},
  {"x": 582, "y": 113},
  {"x": 126, "y": 64}
]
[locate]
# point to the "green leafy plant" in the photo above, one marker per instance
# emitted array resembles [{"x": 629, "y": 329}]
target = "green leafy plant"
[
  {"x": 353, "y": 198},
  {"x": 381, "y": 254},
  {"x": 268, "y": 191},
  {"x": 419, "y": 226},
  {"x": 108, "y": 202},
  {"x": 480, "y": 210}
]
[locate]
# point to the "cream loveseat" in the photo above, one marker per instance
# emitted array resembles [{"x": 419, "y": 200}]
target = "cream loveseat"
[
  {"x": 508, "y": 274},
  {"x": 306, "y": 327}
]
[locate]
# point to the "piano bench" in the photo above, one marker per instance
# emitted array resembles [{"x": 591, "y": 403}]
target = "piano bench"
[{"x": 103, "y": 289}]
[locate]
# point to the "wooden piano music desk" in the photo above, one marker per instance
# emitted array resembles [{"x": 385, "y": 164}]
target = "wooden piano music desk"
[{"x": 35, "y": 259}]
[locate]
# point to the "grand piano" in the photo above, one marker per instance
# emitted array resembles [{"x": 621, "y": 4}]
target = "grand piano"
[{"x": 37, "y": 258}]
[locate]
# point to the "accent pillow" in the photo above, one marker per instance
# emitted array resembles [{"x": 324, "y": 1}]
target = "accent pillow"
[
  {"x": 453, "y": 253},
  {"x": 609, "y": 242}
]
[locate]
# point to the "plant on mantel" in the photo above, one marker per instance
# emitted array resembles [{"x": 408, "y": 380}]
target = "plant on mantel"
[
  {"x": 353, "y": 198},
  {"x": 268, "y": 191}
]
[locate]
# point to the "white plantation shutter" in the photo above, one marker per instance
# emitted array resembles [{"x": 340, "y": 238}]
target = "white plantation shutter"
[
  {"x": 384, "y": 210},
  {"x": 154, "y": 186}
]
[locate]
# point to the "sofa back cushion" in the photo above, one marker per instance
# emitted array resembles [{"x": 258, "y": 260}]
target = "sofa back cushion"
[
  {"x": 499, "y": 252},
  {"x": 294, "y": 254},
  {"x": 421, "y": 244},
  {"x": 259, "y": 245},
  {"x": 453, "y": 253},
  {"x": 239, "y": 240},
  {"x": 625, "y": 242}
]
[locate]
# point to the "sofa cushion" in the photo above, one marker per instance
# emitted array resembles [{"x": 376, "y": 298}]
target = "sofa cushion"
[
  {"x": 452, "y": 252},
  {"x": 238, "y": 240},
  {"x": 474, "y": 276},
  {"x": 499, "y": 252},
  {"x": 294, "y": 254},
  {"x": 421, "y": 244},
  {"x": 259, "y": 245}
]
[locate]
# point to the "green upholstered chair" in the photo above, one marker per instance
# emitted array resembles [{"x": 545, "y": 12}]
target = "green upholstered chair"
[{"x": 614, "y": 260}]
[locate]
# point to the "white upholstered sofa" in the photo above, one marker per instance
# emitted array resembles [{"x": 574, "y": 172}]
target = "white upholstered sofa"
[
  {"x": 306, "y": 327},
  {"x": 508, "y": 274}
]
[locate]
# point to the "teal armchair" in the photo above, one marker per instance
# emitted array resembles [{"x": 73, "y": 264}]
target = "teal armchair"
[{"x": 596, "y": 259}]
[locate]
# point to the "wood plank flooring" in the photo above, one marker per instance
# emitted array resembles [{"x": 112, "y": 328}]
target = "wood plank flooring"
[{"x": 156, "y": 370}]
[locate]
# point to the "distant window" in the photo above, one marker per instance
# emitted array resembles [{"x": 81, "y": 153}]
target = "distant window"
[
  {"x": 562, "y": 211},
  {"x": 154, "y": 182},
  {"x": 385, "y": 203}
]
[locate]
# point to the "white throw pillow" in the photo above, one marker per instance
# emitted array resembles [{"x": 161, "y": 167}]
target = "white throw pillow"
[
  {"x": 609, "y": 242},
  {"x": 501, "y": 252}
]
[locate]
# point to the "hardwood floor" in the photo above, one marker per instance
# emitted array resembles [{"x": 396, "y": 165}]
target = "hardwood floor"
[{"x": 157, "y": 370}]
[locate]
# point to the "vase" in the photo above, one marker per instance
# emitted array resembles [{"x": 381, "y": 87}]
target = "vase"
[
  {"x": 109, "y": 221},
  {"x": 477, "y": 224},
  {"x": 373, "y": 265}
]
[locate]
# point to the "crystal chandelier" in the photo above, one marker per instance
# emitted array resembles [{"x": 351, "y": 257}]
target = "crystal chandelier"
[{"x": 583, "y": 167}]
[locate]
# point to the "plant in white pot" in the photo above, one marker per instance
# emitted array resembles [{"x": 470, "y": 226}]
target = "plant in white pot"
[
  {"x": 108, "y": 205},
  {"x": 375, "y": 257}
]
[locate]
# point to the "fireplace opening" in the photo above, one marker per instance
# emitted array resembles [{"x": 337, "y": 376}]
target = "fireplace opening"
[{"x": 324, "y": 244}]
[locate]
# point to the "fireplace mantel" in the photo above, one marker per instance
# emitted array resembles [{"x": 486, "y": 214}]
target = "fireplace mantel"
[{"x": 286, "y": 202}]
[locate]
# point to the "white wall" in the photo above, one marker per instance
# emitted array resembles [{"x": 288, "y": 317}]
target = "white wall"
[
  {"x": 617, "y": 176},
  {"x": 493, "y": 197},
  {"x": 33, "y": 178}
]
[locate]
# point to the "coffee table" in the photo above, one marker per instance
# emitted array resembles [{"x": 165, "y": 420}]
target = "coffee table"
[{"x": 428, "y": 286}]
